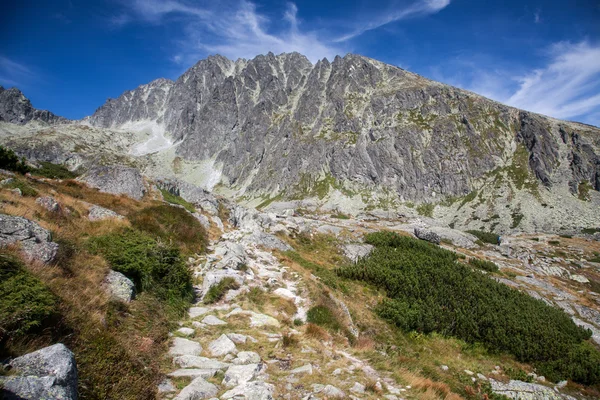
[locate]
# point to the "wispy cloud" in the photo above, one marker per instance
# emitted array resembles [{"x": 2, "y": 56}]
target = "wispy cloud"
[
  {"x": 537, "y": 16},
  {"x": 419, "y": 8},
  {"x": 13, "y": 73},
  {"x": 566, "y": 86}
]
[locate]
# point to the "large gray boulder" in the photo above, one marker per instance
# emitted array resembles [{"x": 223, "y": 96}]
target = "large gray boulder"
[
  {"x": 49, "y": 373},
  {"x": 427, "y": 235},
  {"x": 355, "y": 252},
  {"x": 250, "y": 391},
  {"x": 119, "y": 286},
  {"x": 97, "y": 213},
  {"x": 116, "y": 179},
  {"x": 198, "y": 389},
  {"x": 519, "y": 390},
  {"x": 35, "y": 241}
]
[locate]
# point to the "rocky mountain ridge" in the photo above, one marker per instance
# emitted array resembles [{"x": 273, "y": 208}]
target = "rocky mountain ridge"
[{"x": 17, "y": 109}]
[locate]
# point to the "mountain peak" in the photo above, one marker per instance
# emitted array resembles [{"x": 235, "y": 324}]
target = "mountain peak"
[{"x": 16, "y": 108}]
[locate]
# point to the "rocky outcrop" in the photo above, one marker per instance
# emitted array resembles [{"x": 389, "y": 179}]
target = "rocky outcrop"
[
  {"x": 119, "y": 286},
  {"x": 116, "y": 179},
  {"x": 519, "y": 390},
  {"x": 355, "y": 252},
  {"x": 427, "y": 235},
  {"x": 34, "y": 241},
  {"x": 97, "y": 213},
  {"x": 49, "y": 373},
  {"x": 17, "y": 109}
]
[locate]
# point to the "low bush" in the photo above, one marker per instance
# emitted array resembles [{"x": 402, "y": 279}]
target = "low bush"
[
  {"x": 218, "y": 291},
  {"x": 428, "y": 291},
  {"x": 486, "y": 237},
  {"x": 11, "y": 162},
  {"x": 26, "y": 189},
  {"x": 153, "y": 266},
  {"x": 483, "y": 264},
  {"x": 323, "y": 316},
  {"x": 26, "y": 304},
  {"x": 54, "y": 171},
  {"x": 172, "y": 224}
]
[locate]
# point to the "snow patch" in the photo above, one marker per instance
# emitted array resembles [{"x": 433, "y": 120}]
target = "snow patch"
[{"x": 156, "y": 141}]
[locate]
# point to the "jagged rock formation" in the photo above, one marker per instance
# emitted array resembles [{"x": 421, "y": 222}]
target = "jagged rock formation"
[
  {"x": 35, "y": 241},
  {"x": 17, "y": 109},
  {"x": 280, "y": 125}
]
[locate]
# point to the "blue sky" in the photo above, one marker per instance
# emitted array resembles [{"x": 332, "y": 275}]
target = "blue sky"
[{"x": 69, "y": 56}]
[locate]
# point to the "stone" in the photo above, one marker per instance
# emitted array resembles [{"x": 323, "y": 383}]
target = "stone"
[
  {"x": 35, "y": 241},
  {"x": 48, "y": 203},
  {"x": 579, "y": 278},
  {"x": 185, "y": 347},
  {"x": 119, "y": 287},
  {"x": 203, "y": 219},
  {"x": 198, "y": 389},
  {"x": 246, "y": 357},
  {"x": 195, "y": 312},
  {"x": 49, "y": 373},
  {"x": 444, "y": 368},
  {"x": 470, "y": 373},
  {"x": 97, "y": 213},
  {"x": 250, "y": 391},
  {"x": 329, "y": 230},
  {"x": 269, "y": 241},
  {"x": 221, "y": 346},
  {"x": 260, "y": 320},
  {"x": 211, "y": 320},
  {"x": 187, "y": 332},
  {"x": 240, "y": 374},
  {"x": 331, "y": 392},
  {"x": 116, "y": 179},
  {"x": 237, "y": 338},
  {"x": 166, "y": 386},
  {"x": 188, "y": 361},
  {"x": 193, "y": 373},
  {"x": 305, "y": 369},
  {"x": 355, "y": 252},
  {"x": 519, "y": 390},
  {"x": 358, "y": 388},
  {"x": 427, "y": 235}
]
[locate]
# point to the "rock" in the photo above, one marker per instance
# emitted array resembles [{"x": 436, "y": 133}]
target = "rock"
[
  {"x": 470, "y": 373},
  {"x": 358, "y": 388},
  {"x": 193, "y": 373},
  {"x": 427, "y": 235},
  {"x": 119, "y": 286},
  {"x": 195, "y": 312},
  {"x": 116, "y": 179},
  {"x": 269, "y": 241},
  {"x": 166, "y": 386},
  {"x": 213, "y": 277},
  {"x": 198, "y": 389},
  {"x": 444, "y": 368},
  {"x": 49, "y": 373},
  {"x": 188, "y": 332},
  {"x": 48, "y": 203},
  {"x": 17, "y": 192},
  {"x": 203, "y": 219},
  {"x": 36, "y": 242},
  {"x": 199, "y": 362},
  {"x": 250, "y": 391},
  {"x": 305, "y": 369},
  {"x": 329, "y": 230},
  {"x": 354, "y": 252},
  {"x": 579, "y": 278},
  {"x": 331, "y": 392},
  {"x": 213, "y": 321},
  {"x": 17, "y": 109},
  {"x": 237, "y": 338},
  {"x": 221, "y": 346},
  {"x": 519, "y": 390},
  {"x": 260, "y": 320},
  {"x": 185, "y": 347},
  {"x": 246, "y": 357},
  {"x": 240, "y": 374},
  {"x": 97, "y": 213}
]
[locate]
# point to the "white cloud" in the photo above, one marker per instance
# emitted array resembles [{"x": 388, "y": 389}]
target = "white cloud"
[
  {"x": 13, "y": 73},
  {"x": 419, "y": 8},
  {"x": 537, "y": 16}
]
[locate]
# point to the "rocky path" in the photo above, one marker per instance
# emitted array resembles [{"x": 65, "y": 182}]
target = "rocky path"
[{"x": 238, "y": 348}]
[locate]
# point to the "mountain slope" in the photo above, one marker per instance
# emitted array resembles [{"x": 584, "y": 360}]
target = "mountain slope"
[
  {"x": 17, "y": 109},
  {"x": 279, "y": 125}
]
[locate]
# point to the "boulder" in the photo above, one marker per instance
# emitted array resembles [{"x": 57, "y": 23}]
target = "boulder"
[
  {"x": 250, "y": 391},
  {"x": 519, "y": 390},
  {"x": 213, "y": 321},
  {"x": 35, "y": 241},
  {"x": 198, "y": 389},
  {"x": 221, "y": 346},
  {"x": 116, "y": 179},
  {"x": 49, "y": 373},
  {"x": 188, "y": 361},
  {"x": 186, "y": 332},
  {"x": 240, "y": 374},
  {"x": 119, "y": 286},
  {"x": 185, "y": 347},
  {"x": 246, "y": 357},
  {"x": 427, "y": 235},
  {"x": 195, "y": 312},
  {"x": 97, "y": 213},
  {"x": 355, "y": 252},
  {"x": 48, "y": 203},
  {"x": 193, "y": 373}
]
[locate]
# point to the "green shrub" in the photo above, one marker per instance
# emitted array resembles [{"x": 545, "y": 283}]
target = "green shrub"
[
  {"x": 340, "y": 215},
  {"x": 171, "y": 224},
  {"x": 483, "y": 264},
  {"x": 426, "y": 209},
  {"x": 216, "y": 292},
  {"x": 54, "y": 171},
  {"x": 174, "y": 199},
  {"x": 26, "y": 304},
  {"x": 323, "y": 316},
  {"x": 153, "y": 266},
  {"x": 554, "y": 242},
  {"x": 590, "y": 231},
  {"x": 326, "y": 276},
  {"x": 26, "y": 189},
  {"x": 11, "y": 162},
  {"x": 486, "y": 237},
  {"x": 428, "y": 291}
]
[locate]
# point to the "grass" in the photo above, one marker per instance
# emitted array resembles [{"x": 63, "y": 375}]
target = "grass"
[
  {"x": 53, "y": 171},
  {"x": 340, "y": 215},
  {"x": 483, "y": 264},
  {"x": 218, "y": 291},
  {"x": 426, "y": 209},
  {"x": 174, "y": 199},
  {"x": 486, "y": 237},
  {"x": 324, "y": 317},
  {"x": 26, "y": 189}
]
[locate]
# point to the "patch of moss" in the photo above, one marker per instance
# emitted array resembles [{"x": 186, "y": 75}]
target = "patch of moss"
[
  {"x": 584, "y": 191},
  {"x": 426, "y": 209},
  {"x": 174, "y": 199}
]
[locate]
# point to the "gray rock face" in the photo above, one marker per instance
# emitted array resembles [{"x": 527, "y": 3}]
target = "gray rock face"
[
  {"x": 49, "y": 373},
  {"x": 356, "y": 120},
  {"x": 116, "y": 179},
  {"x": 48, "y": 203},
  {"x": 35, "y": 241},
  {"x": 119, "y": 286},
  {"x": 97, "y": 213},
  {"x": 519, "y": 390},
  {"x": 17, "y": 109},
  {"x": 354, "y": 252},
  {"x": 425, "y": 234},
  {"x": 198, "y": 389},
  {"x": 251, "y": 391}
]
